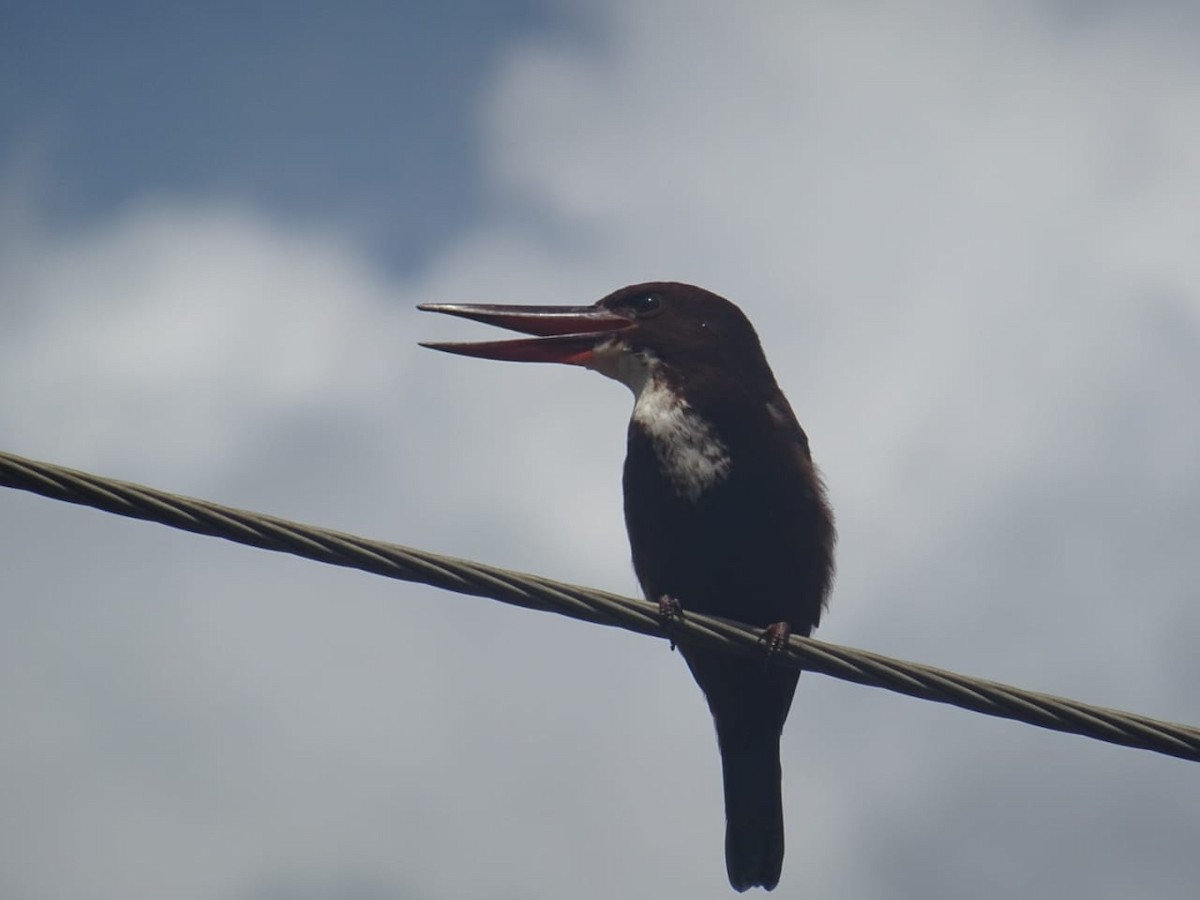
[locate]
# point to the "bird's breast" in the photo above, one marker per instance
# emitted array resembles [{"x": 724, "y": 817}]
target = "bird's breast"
[
  {"x": 688, "y": 452},
  {"x": 727, "y": 528}
]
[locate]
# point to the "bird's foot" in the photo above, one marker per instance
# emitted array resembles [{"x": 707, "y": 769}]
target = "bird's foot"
[
  {"x": 670, "y": 611},
  {"x": 775, "y": 638}
]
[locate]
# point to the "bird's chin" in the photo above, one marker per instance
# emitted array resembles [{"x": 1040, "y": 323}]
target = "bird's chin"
[{"x": 615, "y": 359}]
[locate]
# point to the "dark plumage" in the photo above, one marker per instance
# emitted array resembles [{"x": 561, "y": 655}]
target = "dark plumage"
[
  {"x": 756, "y": 546},
  {"x": 725, "y": 511}
]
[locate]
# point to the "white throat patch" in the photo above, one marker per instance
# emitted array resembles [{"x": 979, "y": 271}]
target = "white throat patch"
[{"x": 690, "y": 454}]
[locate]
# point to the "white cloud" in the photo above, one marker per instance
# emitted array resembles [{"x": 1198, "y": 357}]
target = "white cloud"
[
  {"x": 172, "y": 331},
  {"x": 966, "y": 233}
]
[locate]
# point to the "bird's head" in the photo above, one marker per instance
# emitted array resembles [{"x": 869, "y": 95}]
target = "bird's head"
[{"x": 628, "y": 335}]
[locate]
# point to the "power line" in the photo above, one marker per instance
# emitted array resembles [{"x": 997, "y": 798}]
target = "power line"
[{"x": 534, "y": 592}]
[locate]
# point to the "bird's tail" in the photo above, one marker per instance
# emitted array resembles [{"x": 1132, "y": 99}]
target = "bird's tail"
[
  {"x": 749, "y": 702},
  {"x": 753, "y": 806}
]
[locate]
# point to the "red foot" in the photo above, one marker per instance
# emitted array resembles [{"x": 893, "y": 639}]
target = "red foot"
[
  {"x": 669, "y": 611},
  {"x": 775, "y": 637}
]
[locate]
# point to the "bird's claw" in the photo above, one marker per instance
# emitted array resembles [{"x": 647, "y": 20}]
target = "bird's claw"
[
  {"x": 670, "y": 611},
  {"x": 775, "y": 638}
]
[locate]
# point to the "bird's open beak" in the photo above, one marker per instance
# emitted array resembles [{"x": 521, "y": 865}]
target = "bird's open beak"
[{"x": 565, "y": 334}]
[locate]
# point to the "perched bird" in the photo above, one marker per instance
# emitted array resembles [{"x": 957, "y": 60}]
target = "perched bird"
[{"x": 725, "y": 510}]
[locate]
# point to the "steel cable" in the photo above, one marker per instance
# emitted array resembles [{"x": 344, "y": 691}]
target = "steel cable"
[{"x": 534, "y": 592}]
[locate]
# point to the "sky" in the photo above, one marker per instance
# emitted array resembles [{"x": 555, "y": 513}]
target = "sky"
[{"x": 966, "y": 233}]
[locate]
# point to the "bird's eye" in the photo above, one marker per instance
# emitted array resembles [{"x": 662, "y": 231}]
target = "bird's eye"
[{"x": 644, "y": 304}]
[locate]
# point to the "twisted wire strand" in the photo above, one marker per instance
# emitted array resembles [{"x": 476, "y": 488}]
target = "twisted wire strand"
[{"x": 535, "y": 592}]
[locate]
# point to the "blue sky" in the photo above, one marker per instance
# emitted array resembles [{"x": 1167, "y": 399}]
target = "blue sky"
[
  {"x": 966, "y": 233},
  {"x": 363, "y": 113}
]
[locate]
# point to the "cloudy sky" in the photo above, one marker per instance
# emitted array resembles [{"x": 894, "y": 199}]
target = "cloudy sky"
[{"x": 967, "y": 233}]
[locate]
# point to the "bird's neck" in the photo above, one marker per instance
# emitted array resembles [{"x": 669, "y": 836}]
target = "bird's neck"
[{"x": 687, "y": 447}]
